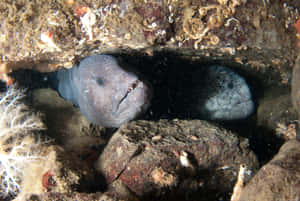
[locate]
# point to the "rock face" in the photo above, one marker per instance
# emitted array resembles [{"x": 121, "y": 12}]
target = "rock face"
[
  {"x": 279, "y": 179},
  {"x": 186, "y": 156},
  {"x": 296, "y": 86},
  {"x": 60, "y": 172},
  {"x": 71, "y": 196},
  {"x": 46, "y": 35},
  {"x": 269, "y": 116},
  {"x": 65, "y": 122},
  {"x": 280, "y": 120}
]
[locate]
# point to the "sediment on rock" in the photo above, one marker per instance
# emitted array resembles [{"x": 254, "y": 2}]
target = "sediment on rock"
[
  {"x": 279, "y": 179},
  {"x": 46, "y": 35},
  {"x": 153, "y": 158}
]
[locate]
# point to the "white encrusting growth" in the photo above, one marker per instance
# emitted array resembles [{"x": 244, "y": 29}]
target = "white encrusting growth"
[{"x": 18, "y": 145}]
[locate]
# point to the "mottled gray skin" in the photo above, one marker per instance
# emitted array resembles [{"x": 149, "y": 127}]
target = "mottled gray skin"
[
  {"x": 225, "y": 95},
  {"x": 106, "y": 94}
]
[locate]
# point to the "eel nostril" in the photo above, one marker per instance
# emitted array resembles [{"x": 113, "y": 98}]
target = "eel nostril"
[{"x": 133, "y": 86}]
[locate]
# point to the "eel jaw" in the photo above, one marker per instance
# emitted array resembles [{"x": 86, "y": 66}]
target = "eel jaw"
[{"x": 131, "y": 88}]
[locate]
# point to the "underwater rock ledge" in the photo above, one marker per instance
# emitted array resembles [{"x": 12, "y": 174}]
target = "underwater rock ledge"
[
  {"x": 255, "y": 32},
  {"x": 157, "y": 158}
]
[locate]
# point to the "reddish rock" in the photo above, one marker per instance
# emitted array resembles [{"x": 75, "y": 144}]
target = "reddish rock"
[{"x": 154, "y": 157}]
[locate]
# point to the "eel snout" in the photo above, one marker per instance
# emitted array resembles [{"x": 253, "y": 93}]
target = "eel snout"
[{"x": 132, "y": 87}]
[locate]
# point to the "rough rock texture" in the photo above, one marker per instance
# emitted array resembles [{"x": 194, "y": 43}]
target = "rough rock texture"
[
  {"x": 296, "y": 86},
  {"x": 279, "y": 179},
  {"x": 60, "y": 172},
  {"x": 282, "y": 119},
  {"x": 295, "y": 94},
  {"x": 65, "y": 122},
  {"x": 145, "y": 156},
  {"x": 70, "y": 196},
  {"x": 45, "y": 35}
]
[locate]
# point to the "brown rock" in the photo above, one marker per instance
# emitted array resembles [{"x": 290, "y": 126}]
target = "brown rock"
[
  {"x": 296, "y": 86},
  {"x": 151, "y": 157},
  {"x": 65, "y": 122},
  {"x": 70, "y": 196},
  {"x": 46, "y": 35},
  {"x": 279, "y": 179},
  {"x": 276, "y": 113},
  {"x": 59, "y": 172},
  {"x": 49, "y": 34}
]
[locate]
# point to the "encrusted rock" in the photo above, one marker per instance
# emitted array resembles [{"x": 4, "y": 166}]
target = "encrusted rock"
[
  {"x": 70, "y": 196},
  {"x": 65, "y": 122},
  {"x": 58, "y": 172},
  {"x": 282, "y": 119},
  {"x": 279, "y": 179},
  {"x": 155, "y": 157},
  {"x": 46, "y": 35},
  {"x": 296, "y": 86}
]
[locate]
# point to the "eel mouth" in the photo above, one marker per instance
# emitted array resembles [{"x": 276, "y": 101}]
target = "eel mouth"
[{"x": 131, "y": 88}]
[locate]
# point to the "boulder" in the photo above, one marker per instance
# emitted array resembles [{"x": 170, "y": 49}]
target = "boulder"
[
  {"x": 185, "y": 157},
  {"x": 279, "y": 179}
]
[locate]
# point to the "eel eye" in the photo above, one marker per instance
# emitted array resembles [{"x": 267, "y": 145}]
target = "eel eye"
[{"x": 99, "y": 81}]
